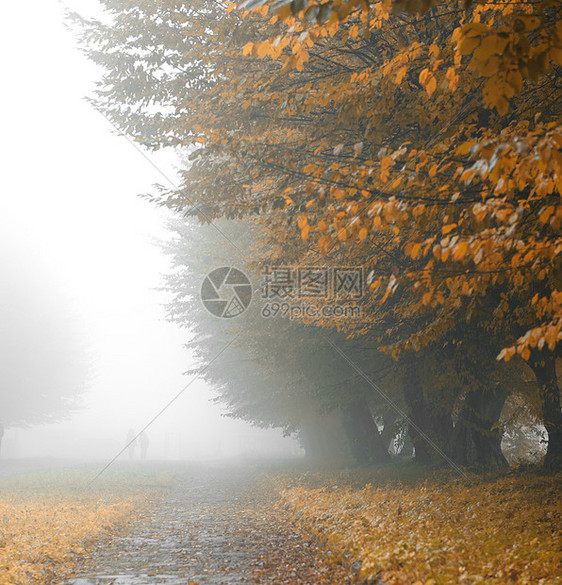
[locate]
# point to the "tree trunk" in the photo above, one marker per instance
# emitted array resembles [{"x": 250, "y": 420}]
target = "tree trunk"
[
  {"x": 322, "y": 437},
  {"x": 543, "y": 364},
  {"x": 355, "y": 445},
  {"x": 475, "y": 441},
  {"x": 419, "y": 413},
  {"x": 365, "y": 440},
  {"x": 488, "y": 438},
  {"x": 463, "y": 449}
]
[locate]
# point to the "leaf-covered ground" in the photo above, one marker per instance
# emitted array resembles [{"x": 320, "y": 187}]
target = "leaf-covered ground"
[
  {"x": 248, "y": 524},
  {"x": 50, "y": 519},
  {"x": 443, "y": 530}
]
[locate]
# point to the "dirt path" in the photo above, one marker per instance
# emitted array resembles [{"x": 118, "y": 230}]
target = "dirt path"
[{"x": 215, "y": 527}]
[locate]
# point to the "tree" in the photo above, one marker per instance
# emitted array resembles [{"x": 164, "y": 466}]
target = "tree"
[
  {"x": 274, "y": 372},
  {"x": 426, "y": 147},
  {"x": 484, "y": 223}
]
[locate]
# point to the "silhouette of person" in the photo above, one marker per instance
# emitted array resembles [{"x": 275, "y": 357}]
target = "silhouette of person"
[
  {"x": 143, "y": 440},
  {"x": 131, "y": 443}
]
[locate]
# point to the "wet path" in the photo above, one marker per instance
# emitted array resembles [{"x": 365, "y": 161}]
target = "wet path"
[{"x": 214, "y": 527}]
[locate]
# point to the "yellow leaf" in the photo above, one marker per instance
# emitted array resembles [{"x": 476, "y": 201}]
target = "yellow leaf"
[
  {"x": 491, "y": 67},
  {"x": 515, "y": 79},
  {"x": 468, "y": 44},
  {"x": 423, "y": 76},
  {"x": 431, "y": 86},
  {"x": 465, "y": 147},
  {"x": 285, "y": 11},
  {"x": 338, "y": 193},
  {"x": 453, "y": 78},
  {"x": 400, "y": 75},
  {"x": 502, "y": 105},
  {"x": 490, "y": 45},
  {"x": 546, "y": 213},
  {"x": 448, "y": 228},
  {"x": 460, "y": 250},
  {"x": 263, "y": 49}
]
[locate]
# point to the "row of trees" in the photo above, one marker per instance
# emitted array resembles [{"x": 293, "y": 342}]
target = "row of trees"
[{"x": 421, "y": 141}]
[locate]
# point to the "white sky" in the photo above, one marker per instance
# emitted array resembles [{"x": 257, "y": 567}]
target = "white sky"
[{"x": 69, "y": 201}]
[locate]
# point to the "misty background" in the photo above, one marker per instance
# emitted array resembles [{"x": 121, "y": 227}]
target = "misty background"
[{"x": 76, "y": 240}]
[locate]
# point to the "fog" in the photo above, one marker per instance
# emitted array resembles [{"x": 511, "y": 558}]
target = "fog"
[{"x": 79, "y": 247}]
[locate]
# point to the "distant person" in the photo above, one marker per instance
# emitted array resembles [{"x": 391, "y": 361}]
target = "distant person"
[
  {"x": 131, "y": 443},
  {"x": 1, "y": 434},
  {"x": 143, "y": 440}
]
